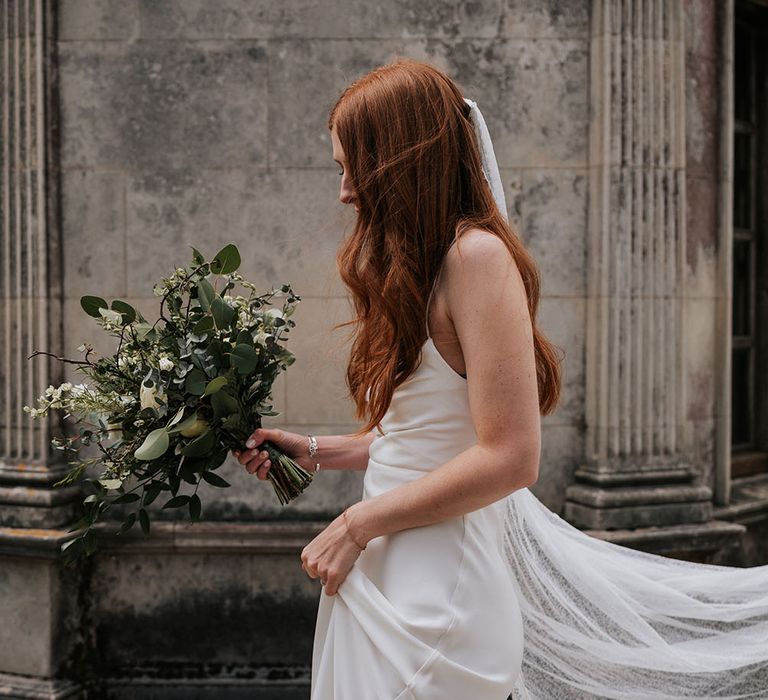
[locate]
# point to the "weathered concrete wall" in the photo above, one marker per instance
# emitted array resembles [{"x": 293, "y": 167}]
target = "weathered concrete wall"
[{"x": 201, "y": 123}]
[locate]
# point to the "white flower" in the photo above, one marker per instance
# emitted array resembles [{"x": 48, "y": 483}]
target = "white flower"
[
  {"x": 275, "y": 313},
  {"x": 147, "y": 395},
  {"x": 166, "y": 364},
  {"x": 66, "y": 386},
  {"x": 260, "y": 337}
]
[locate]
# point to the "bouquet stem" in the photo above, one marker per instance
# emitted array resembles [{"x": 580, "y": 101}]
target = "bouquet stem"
[{"x": 288, "y": 477}]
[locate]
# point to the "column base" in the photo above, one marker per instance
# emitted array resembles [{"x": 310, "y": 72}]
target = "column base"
[
  {"x": 615, "y": 507},
  {"x": 31, "y": 688},
  {"x": 29, "y": 499}
]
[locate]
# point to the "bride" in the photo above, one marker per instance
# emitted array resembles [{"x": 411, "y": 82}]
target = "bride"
[{"x": 449, "y": 580}]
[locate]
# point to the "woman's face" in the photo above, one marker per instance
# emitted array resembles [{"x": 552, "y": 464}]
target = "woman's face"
[{"x": 346, "y": 195}]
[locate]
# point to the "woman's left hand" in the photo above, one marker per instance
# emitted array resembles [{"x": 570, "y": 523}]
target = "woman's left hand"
[{"x": 331, "y": 555}]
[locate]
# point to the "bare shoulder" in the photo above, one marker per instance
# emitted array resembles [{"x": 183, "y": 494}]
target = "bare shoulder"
[
  {"x": 479, "y": 244},
  {"x": 480, "y": 255}
]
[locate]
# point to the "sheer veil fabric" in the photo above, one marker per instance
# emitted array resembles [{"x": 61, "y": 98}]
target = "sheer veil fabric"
[{"x": 605, "y": 621}]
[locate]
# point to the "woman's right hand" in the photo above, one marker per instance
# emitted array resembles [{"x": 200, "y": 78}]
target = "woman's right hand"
[{"x": 255, "y": 460}]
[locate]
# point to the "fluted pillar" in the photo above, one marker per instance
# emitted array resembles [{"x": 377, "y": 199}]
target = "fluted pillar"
[
  {"x": 30, "y": 273},
  {"x": 636, "y": 470}
]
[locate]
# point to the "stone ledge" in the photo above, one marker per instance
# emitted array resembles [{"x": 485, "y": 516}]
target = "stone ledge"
[
  {"x": 167, "y": 536},
  {"x": 37, "y": 474},
  {"x": 641, "y": 515},
  {"x": 633, "y": 495},
  {"x": 710, "y": 537},
  {"x": 17, "y": 686},
  {"x": 626, "y": 477},
  {"x": 749, "y": 501},
  {"x": 38, "y": 497}
]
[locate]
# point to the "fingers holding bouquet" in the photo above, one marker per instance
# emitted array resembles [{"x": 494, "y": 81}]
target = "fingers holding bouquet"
[{"x": 256, "y": 456}]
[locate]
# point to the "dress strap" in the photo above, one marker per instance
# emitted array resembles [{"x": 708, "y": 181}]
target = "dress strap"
[{"x": 432, "y": 289}]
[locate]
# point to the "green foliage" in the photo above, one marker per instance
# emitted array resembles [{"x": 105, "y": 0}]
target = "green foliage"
[{"x": 176, "y": 396}]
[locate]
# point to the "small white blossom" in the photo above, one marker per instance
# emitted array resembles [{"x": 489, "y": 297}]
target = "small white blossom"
[
  {"x": 166, "y": 364},
  {"x": 147, "y": 396}
]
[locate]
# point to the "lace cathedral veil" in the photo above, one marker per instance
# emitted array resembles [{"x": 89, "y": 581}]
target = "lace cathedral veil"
[{"x": 606, "y": 621}]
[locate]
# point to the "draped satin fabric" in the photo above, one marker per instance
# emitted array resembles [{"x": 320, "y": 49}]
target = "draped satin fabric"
[{"x": 426, "y": 613}]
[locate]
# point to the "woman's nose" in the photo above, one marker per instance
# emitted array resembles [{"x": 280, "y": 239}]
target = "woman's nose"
[{"x": 346, "y": 196}]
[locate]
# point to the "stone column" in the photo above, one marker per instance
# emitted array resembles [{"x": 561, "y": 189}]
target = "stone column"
[
  {"x": 637, "y": 470},
  {"x": 30, "y": 274},
  {"x": 38, "y": 607}
]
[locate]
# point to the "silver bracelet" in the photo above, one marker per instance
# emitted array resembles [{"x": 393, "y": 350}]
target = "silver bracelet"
[{"x": 313, "y": 450}]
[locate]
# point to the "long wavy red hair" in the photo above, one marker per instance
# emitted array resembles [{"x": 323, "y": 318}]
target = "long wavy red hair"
[{"x": 414, "y": 165}]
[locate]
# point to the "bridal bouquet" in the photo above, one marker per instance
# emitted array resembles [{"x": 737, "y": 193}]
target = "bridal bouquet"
[{"x": 177, "y": 395}]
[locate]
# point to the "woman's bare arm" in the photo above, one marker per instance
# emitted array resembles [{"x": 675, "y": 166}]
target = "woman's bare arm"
[
  {"x": 333, "y": 451},
  {"x": 343, "y": 451},
  {"x": 488, "y": 305}
]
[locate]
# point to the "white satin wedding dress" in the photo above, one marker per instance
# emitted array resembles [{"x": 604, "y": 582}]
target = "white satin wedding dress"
[{"x": 512, "y": 599}]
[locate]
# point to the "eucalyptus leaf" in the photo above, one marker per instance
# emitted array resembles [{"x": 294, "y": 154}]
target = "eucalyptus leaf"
[
  {"x": 154, "y": 445},
  {"x": 195, "y": 506},
  {"x": 197, "y": 256},
  {"x": 142, "y": 330},
  {"x": 129, "y": 313},
  {"x": 244, "y": 358},
  {"x": 91, "y": 305},
  {"x": 205, "y": 294},
  {"x": 223, "y": 404},
  {"x": 222, "y": 313},
  {"x": 188, "y": 422},
  {"x": 188, "y": 474},
  {"x": 216, "y": 459},
  {"x": 215, "y": 480},
  {"x": 177, "y": 502},
  {"x": 177, "y": 417},
  {"x": 201, "y": 445},
  {"x": 152, "y": 492},
  {"x": 204, "y": 325},
  {"x": 245, "y": 337},
  {"x": 195, "y": 382},
  {"x": 214, "y": 385},
  {"x": 128, "y": 524},
  {"x": 144, "y": 520},
  {"x": 226, "y": 260}
]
